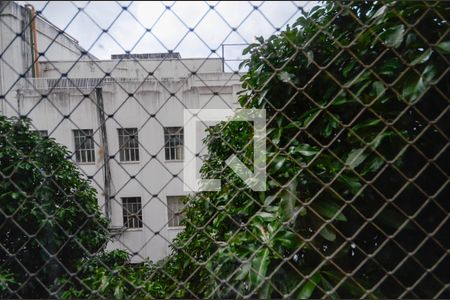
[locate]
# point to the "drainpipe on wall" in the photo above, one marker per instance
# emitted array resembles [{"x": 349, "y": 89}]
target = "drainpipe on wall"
[
  {"x": 104, "y": 141},
  {"x": 3, "y": 4},
  {"x": 19, "y": 100},
  {"x": 33, "y": 41}
]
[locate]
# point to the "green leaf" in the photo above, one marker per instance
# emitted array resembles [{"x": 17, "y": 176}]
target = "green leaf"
[
  {"x": 328, "y": 287},
  {"x": 260, "y": 39},
  {"x": 413, "y": 88},
  {"x": 287, "y": 239},
  {"x": 266, "y": 216},
  {"x": 355, "y": 158},
  {"x": 389, "y": 67},
  {"x": 328, "y": 234},
  {"x": 118, "y": 292},
  {"x": 393, "y": 37},
  {"x": 265, "y": 291},
  {"x": 269, "y": 200},
  {"x": 350, "y": 66},
  {"x": 104, "y": 283},
  {"x": 277, "y": 137},
  {"x": 330, "y": 125},
  {"x": 351, "y": 182},
  {"x": 285, "y": 76},
  {"x": 380, "y": 137},
  {"x": 362, "y": 88},
  {"x": 363, "y": 76},
  {"x": 305, "y": 150},
  {"x": 365, "y": 124},
  {"x": 309, "y": 287},
  {"x": 379, "y": 13},
  {"x": 263, "y": 264},
  {"x": 15, "y": 195},
  {"x": 373, "y": 165},
  {"x": 310, "y": 57},
  {"x": 249, "y": 48},
  {"x": 244, "y": 270},
  {"x": 328, "y": 210},
  {"x": 288, "y": 201},
  {"x": 379, "y": 88},
  {"x": 444, "y": 47},
  {"x": 260, "y": 264},
  {"x": 311, "y": 115},
  {"x": 279, "y": 162},
  {"x": 422, "y": 58},
  {"x": 429, "y": 74}
]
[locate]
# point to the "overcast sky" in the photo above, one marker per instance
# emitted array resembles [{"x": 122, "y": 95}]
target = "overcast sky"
[{"x": 169, "y": 24}]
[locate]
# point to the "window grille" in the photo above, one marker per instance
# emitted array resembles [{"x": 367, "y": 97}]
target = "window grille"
[
  {"x": 84, "y": 146},
  {"x": 174, "y": 143},
  {"x": 175, "y": 210},
  {"x": 132, "y": 212},
  {"x": 128, "y": 144}
]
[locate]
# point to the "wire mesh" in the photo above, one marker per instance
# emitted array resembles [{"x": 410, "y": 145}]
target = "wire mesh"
[{"x": 93, "y": 202}]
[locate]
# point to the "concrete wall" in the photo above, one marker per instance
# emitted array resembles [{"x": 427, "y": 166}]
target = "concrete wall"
[
  {"x": 15, "y": 48},
  {"x": 170, "y": 68}
]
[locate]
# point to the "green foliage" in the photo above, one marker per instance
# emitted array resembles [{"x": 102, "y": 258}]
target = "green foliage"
[
  {"x": 49, "y": 215},
  {"x": 6, "y": 281},
  {"x": 110, "y": 275},
  {"x": 343, "y": 103}
]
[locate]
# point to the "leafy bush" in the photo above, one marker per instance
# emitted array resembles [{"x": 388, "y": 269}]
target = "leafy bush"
[
  {"x": 344, "y": 104},
  {"x": 6, "y": 281},
  {"x": 110, "y": 275},
  {"x": 49, "y": 216}
]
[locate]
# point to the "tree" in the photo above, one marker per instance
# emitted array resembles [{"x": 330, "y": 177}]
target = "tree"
[
  {"x": 110, "y": 275},
  {"x": 348, "y": 89},
  {"x": 49, "y": 216}
]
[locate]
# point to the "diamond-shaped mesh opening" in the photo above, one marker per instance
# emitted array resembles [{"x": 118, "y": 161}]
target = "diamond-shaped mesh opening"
[{"x": 99, "y": 164}]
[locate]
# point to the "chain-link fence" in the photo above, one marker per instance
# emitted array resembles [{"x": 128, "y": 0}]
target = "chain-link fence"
[{"x": 226, "y": 150}]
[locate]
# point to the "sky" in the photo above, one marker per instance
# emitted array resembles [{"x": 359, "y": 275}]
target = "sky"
[{"x": 191, "y": 28}]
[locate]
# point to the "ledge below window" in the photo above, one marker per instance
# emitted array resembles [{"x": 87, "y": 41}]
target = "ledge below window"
[
  {"x": 176, "y": 227},
  {"x": 86, "y": 163},
  {"x": 132, "y": 229},
  {"x": 173, "y": 161},
  {"x": 131, "y": 162}
]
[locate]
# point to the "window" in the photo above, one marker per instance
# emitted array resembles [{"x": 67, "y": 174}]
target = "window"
[
  {"x": 84, "y": 145},
  {"x": 132, "y": 212},
  {"x": 173, "y": 143},
  {"x": 175, "y": 210},
  {"x": 42, "y": 133},
  {"x": 129, "y": 144}
]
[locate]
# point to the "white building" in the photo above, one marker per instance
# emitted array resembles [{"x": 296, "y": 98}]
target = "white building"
[{"x": 122, "y": 118}]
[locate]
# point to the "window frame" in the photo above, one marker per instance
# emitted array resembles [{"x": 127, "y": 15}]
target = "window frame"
[
  {"x": 128, "y": 144},
  {"x": 132, "y": 214},
  {"x": 174, "y": 143},
  {"x": 86, "y": 153},
  {"x": 42, "y": 133},
  {"x": 173, "y": 220}
]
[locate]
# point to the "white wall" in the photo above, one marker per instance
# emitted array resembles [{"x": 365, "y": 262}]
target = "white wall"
[
  {"x": 154, "y": 179},
  {"x": 15, "y": 49},
  {"x": 169, "y": 68}
]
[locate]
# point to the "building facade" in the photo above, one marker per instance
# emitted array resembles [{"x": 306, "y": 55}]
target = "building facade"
[{"x": 121, "y": 118}]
